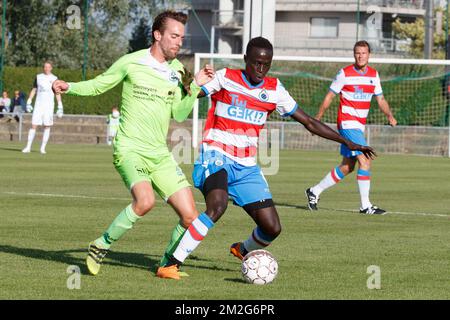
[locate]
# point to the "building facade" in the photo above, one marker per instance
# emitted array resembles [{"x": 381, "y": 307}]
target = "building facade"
[{"x": 299, "y": 27}]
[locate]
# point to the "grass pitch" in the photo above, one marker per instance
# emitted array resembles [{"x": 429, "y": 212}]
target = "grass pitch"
[{"x": 51, "y": 207}]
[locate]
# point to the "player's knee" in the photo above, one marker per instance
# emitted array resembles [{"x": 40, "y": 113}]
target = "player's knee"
[
  {"x": 188, "y": 217},
  {"x": 144, "y": 205},
  {"x": 274, "y": 230},
  {"x": 216, "y": 209}
]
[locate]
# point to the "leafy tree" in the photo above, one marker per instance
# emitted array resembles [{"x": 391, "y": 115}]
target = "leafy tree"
[
  {"x": 141, "y": 36},
  {"x": 37, "y": 31},
  {"x": 415, "y": 33}
]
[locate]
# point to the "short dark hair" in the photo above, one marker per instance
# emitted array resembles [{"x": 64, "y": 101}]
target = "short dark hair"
[
  {"x": 361, "y": 43},
  {"x": 259, "y": 42},
  {"x": 159, "y": 23}
]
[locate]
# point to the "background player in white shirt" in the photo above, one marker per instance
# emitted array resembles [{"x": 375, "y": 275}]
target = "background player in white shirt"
[
  {"x": 113, "y": 125},
  {"x": 43, "y": 106}
]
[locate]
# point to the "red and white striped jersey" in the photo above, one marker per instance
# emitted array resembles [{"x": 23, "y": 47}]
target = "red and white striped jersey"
[
  {"x": 356, "y": 90},
  {"x": 239, "y": 111}
]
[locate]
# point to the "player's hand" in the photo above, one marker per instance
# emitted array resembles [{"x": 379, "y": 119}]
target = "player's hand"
[
  {"x": 205, "y": 75},
  {"x": 392, "y": 121},
  {"x": 366, "y": 150},
  {"x": 60, "y": 111},
  {"x": 60, "y": 86},
  {"x": 29, "y": 107}
]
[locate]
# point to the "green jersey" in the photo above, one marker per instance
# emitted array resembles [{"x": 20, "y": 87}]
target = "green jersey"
[{"x": 152, "y": 93}]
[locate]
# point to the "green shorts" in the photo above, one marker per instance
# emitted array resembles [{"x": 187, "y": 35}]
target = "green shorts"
[{"x": 162, "y": 172}]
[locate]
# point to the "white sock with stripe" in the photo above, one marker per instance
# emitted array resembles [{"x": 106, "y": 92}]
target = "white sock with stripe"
[
  {"x": 196, "y": 232},
  {"x": 333, "y": 177},
  {"x": 257, "y": 240},
  {"x": 364, "y": 188}
]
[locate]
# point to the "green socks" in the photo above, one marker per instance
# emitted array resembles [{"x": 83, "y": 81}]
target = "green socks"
[
  {"x": 121, "y": 224},
  {"x": 177, "y": 234}
]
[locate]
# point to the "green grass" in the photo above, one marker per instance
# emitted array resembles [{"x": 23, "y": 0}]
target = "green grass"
[{"x": 324, "y": 255}]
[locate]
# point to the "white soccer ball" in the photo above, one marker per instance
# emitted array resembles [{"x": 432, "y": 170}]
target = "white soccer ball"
[{"x": 259, "y": 267}]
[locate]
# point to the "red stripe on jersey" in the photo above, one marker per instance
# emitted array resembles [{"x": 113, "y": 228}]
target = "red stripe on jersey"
[
  {"x": 355, "y": 104},
  {"x": 233, "y": 150},
  {"x": 367, "y": 88},
  {"x": 347, "y": 117},
  {"x": 194, "y": 233},
  {"x": 235, "y": 127},
  {"x": 236, "y": 75},
  {"x": 350, "y": 71}
]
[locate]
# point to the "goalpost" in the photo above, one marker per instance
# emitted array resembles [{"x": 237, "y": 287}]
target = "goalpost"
[{"x": 417, "y": 90}]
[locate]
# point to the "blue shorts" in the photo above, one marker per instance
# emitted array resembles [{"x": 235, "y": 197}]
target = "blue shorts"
[
  {"x": 355, "y": 136},
  {"x": 245, "y": 184}
]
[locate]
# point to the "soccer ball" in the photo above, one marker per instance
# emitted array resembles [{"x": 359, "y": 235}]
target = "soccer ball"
[{"x": 259, "y": 267}]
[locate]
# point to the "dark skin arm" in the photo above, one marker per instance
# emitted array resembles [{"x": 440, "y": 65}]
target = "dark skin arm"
[{"x": 319, "y": 128}]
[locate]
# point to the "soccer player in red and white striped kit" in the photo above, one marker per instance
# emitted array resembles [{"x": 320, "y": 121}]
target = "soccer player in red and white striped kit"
[
  {"x": 227, "y": 167},
  {"x": 356, "y": 84}
]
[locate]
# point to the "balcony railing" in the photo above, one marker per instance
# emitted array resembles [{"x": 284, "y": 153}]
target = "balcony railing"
[
  {"x": 228, "y": 19},
  {"x": 405, "y": 4},
  {"x": 378, "y": 45}
]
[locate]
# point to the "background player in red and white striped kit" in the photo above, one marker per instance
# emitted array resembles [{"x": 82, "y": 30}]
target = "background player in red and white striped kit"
[
  {"x": 356, "y": 84},
  {"x": 226, "y": 167}
]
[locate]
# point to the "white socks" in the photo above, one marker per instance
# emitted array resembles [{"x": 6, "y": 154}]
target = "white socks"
[
  {"x": 45, "y": 138},
  {"x": 31, "y": 135},
  {"x": 328, "y": 181},
  {"x": 364, "y": 188},
  {"x": 193, "y": 236}
]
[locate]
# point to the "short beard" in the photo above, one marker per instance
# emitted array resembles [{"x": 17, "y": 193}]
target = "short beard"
[{"x": 168, "y": 55}]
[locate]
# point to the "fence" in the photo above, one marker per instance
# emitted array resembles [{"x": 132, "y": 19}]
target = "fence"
[{"x": 86, "y": 129}]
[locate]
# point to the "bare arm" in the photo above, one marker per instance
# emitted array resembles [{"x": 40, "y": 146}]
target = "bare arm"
[
  {"x": 384, "y": 107},
  {"x": 31, "y": 95},
  {"x": 325, "y": 104},
  {"x": 316, "y": 127}
]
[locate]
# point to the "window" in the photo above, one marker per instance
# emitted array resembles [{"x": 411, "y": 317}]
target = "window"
[{"x": 324, "y": 27}]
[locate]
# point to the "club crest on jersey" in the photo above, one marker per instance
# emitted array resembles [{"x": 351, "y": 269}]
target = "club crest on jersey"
[
  {"x": 173, "y": 77},
  {"x": 263, "y": 95}
]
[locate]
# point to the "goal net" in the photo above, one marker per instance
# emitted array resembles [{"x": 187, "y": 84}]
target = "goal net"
[{"x": 417, "y": 92}]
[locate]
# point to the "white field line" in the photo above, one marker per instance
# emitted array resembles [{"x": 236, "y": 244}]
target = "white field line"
[{"x": 73, "y": 196}]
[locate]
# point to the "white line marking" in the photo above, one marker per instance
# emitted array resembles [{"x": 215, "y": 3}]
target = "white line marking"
[{"x": 73, "y": 196}]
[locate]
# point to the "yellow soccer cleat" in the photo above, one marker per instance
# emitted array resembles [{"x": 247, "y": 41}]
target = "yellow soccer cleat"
[{"x": 95, "y": 258}]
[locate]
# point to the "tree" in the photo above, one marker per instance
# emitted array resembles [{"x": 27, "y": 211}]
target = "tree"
[
  {"x": 140, "y": 38},
  {"x": 37, "y": 31},
  {"x": 415, "y": 33}
]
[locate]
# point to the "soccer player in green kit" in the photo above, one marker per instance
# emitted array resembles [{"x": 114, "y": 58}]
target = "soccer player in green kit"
[{"x": 155, "y": 88}]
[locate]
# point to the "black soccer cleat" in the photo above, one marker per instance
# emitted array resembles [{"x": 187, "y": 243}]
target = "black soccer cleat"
[
  {"x": 312, "y": 199},
  {"x": 372, "y": 210}
]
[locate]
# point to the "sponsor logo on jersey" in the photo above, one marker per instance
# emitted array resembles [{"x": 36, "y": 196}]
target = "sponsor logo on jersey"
[
  {"x": 360, "y": 94},
  {"x": 237, "y": 111}
]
